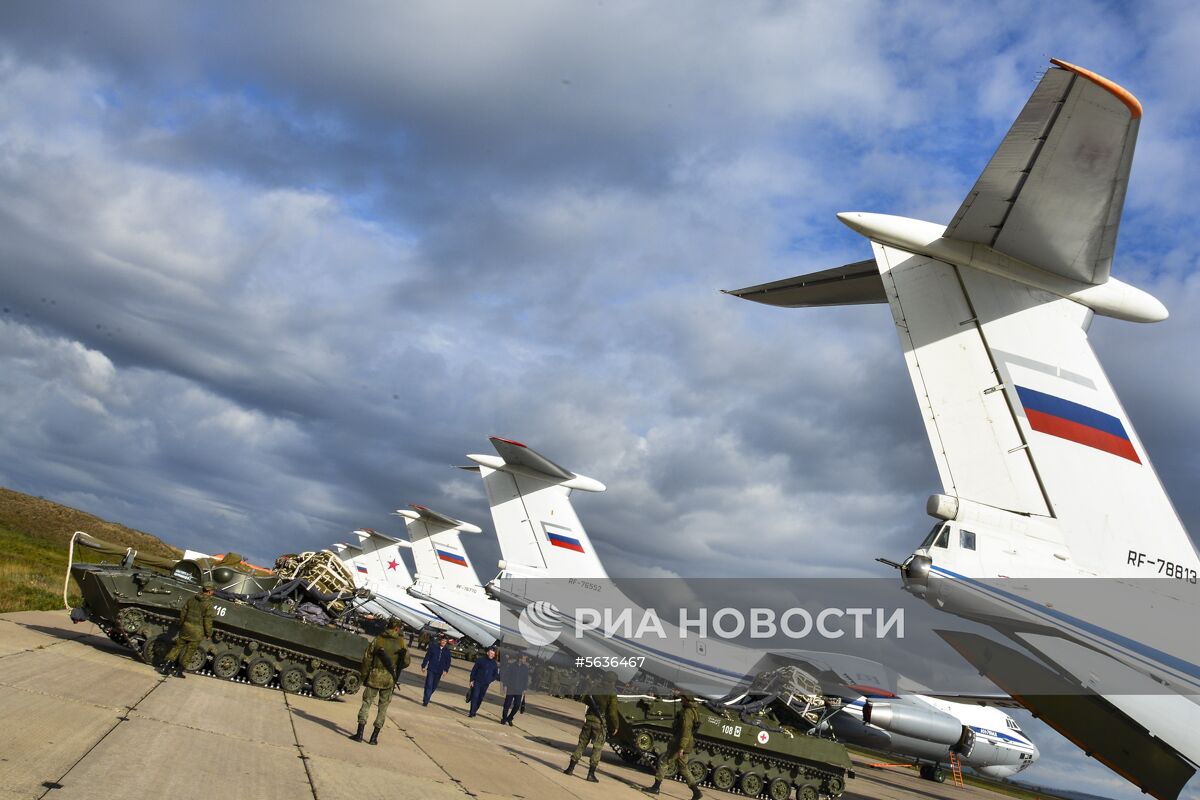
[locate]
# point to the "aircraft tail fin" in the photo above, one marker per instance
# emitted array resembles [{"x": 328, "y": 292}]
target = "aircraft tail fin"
[
  {"x": 536, "y": 524},
  {"x": 437, "y": 551}
]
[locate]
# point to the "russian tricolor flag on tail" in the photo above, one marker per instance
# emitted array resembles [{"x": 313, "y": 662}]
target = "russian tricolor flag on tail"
[
  {"x": 453, "y": 558},
  {"x": 1077, "y": 423},
  {"x": 361, "y": 568},
  {"x": 565, "y": 542}
]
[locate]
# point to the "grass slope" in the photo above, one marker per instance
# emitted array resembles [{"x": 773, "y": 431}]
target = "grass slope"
[{"x": 34, "y": 534}]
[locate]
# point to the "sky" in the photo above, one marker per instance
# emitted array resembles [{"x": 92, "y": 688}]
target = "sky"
[{"x": 268, "y": 271}]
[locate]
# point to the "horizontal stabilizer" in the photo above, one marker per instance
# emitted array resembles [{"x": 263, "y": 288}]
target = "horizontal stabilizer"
[
  {"x": 852, "y": 284},
  {"x": 517, "y": 453},
  {"x": 436, "y": 521},
  {"x": 517, "y": 458},
  {"x": 1088, "y": 720}
]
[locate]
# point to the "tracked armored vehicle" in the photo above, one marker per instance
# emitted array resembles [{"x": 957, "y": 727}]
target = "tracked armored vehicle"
[
  {"x": 771, "y": 741},
  {"x": 276, "y": 628}
]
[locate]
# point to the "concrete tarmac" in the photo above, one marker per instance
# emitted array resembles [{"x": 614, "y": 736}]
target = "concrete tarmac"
[{"x": 83, "y": 719}]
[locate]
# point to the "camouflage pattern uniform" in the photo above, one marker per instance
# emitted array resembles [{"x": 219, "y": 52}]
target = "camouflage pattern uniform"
[
  {"x": 195, "y": 625},
  {"x": 381, "y": 665},
  {"x": 680, "y": 747},
  {"x": 601, "y": 717}
]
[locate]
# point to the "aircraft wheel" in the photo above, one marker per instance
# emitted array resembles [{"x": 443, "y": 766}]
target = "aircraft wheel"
[{"x": 939, "y": 775}]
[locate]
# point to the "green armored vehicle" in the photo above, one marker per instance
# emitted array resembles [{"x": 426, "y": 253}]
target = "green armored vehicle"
[
  {"x": 276, "y": 628},
  {"x": 771, "y": 741}
]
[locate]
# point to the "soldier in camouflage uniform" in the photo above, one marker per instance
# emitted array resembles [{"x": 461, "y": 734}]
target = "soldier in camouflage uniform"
[
  {"x": 195, "y": 625},
  {"x": 601, "y": 716},
  {"x": 381, "y": 665},
  {"x": 680, "y": 747}
]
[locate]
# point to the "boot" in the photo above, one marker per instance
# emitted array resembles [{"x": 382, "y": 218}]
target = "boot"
[
  {"x": 357, "y": 737},
  {"x": 179, "y": 670},
  {"x": 375, "y": 736},
  {"x": 696, "y": 795},
  {"x": 591, "y": 776},
  {"x": 570, "y": 767},
  {"x": 653, "y": 789}
]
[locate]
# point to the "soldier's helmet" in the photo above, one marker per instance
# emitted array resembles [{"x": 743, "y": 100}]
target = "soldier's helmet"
[
  {"x": 393, "y": 624},
  {"x": 207, "y": 586}
]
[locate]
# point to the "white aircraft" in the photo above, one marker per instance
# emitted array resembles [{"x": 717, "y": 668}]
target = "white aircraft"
[
  {"x": 1042, "y": 473},
  {"x": 541, "y": 537},
  {"x": 376, "y": 565},
  {"x": 446, "y": 580}
]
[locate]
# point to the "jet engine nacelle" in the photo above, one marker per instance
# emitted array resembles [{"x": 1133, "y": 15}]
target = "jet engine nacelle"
[{"x": 920, "y": 723}]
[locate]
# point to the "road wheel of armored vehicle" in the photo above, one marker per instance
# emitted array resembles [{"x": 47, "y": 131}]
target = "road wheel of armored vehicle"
[
  {"x": 698, "y": 770},
  {"x": 291, "y": 680},
  {"x": 226, "y": 664},
  {"x": 835, "y": 786},
  {"x": 130, "y": 620},
  {"x": 779, "y": 789},
  {"x": 260, "y": 671},
  {"x": 154, "y": 650},
  {"x": 751, "y": 784},
  {"x": 724, "y": 778},
  {"x": 351, "y": 683},
  {"x": 195, "y": 661},
  {"x": 644, "y": 742},
  {"x": 807, "y": 792},
  {"x": 324, "y": 684}
]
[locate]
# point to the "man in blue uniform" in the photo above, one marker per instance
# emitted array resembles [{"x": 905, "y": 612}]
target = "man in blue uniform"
[
  {"x": 436, "y": 664},
  {"x": 483, "y": 673},
  {"x": 515, "y": 677}
]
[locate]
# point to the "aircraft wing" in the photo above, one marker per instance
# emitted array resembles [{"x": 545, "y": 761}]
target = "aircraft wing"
[
  {"x": 1053, "y": 192},
  {"x": 1089, "y": 721},
  {"x": 996, "y": 700}
]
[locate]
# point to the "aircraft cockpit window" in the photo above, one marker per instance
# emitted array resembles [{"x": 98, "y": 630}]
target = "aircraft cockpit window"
[
  {"x": 932, "y": 535},
  {"x": 966, "y": 540},
  {"x": 943, "y": 539},
  {"x": 1012, "y": 725}
]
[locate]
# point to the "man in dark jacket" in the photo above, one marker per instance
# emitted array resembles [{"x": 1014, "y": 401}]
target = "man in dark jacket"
[
  {"x": 195, "y": 625},
  {"x": 515, "y": 677},
  {"x": 483, "y": 673},
  {"x": 436, "y": 664},
  {"x": 386, "y": 655},
  {"x": 600, "y": 715}
]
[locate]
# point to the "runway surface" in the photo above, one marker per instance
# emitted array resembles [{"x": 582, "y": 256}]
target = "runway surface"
[{"x": 83, "y": 719}]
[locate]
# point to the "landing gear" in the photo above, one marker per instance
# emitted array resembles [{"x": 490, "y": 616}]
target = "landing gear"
[{"x": 933, "y": 772}]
